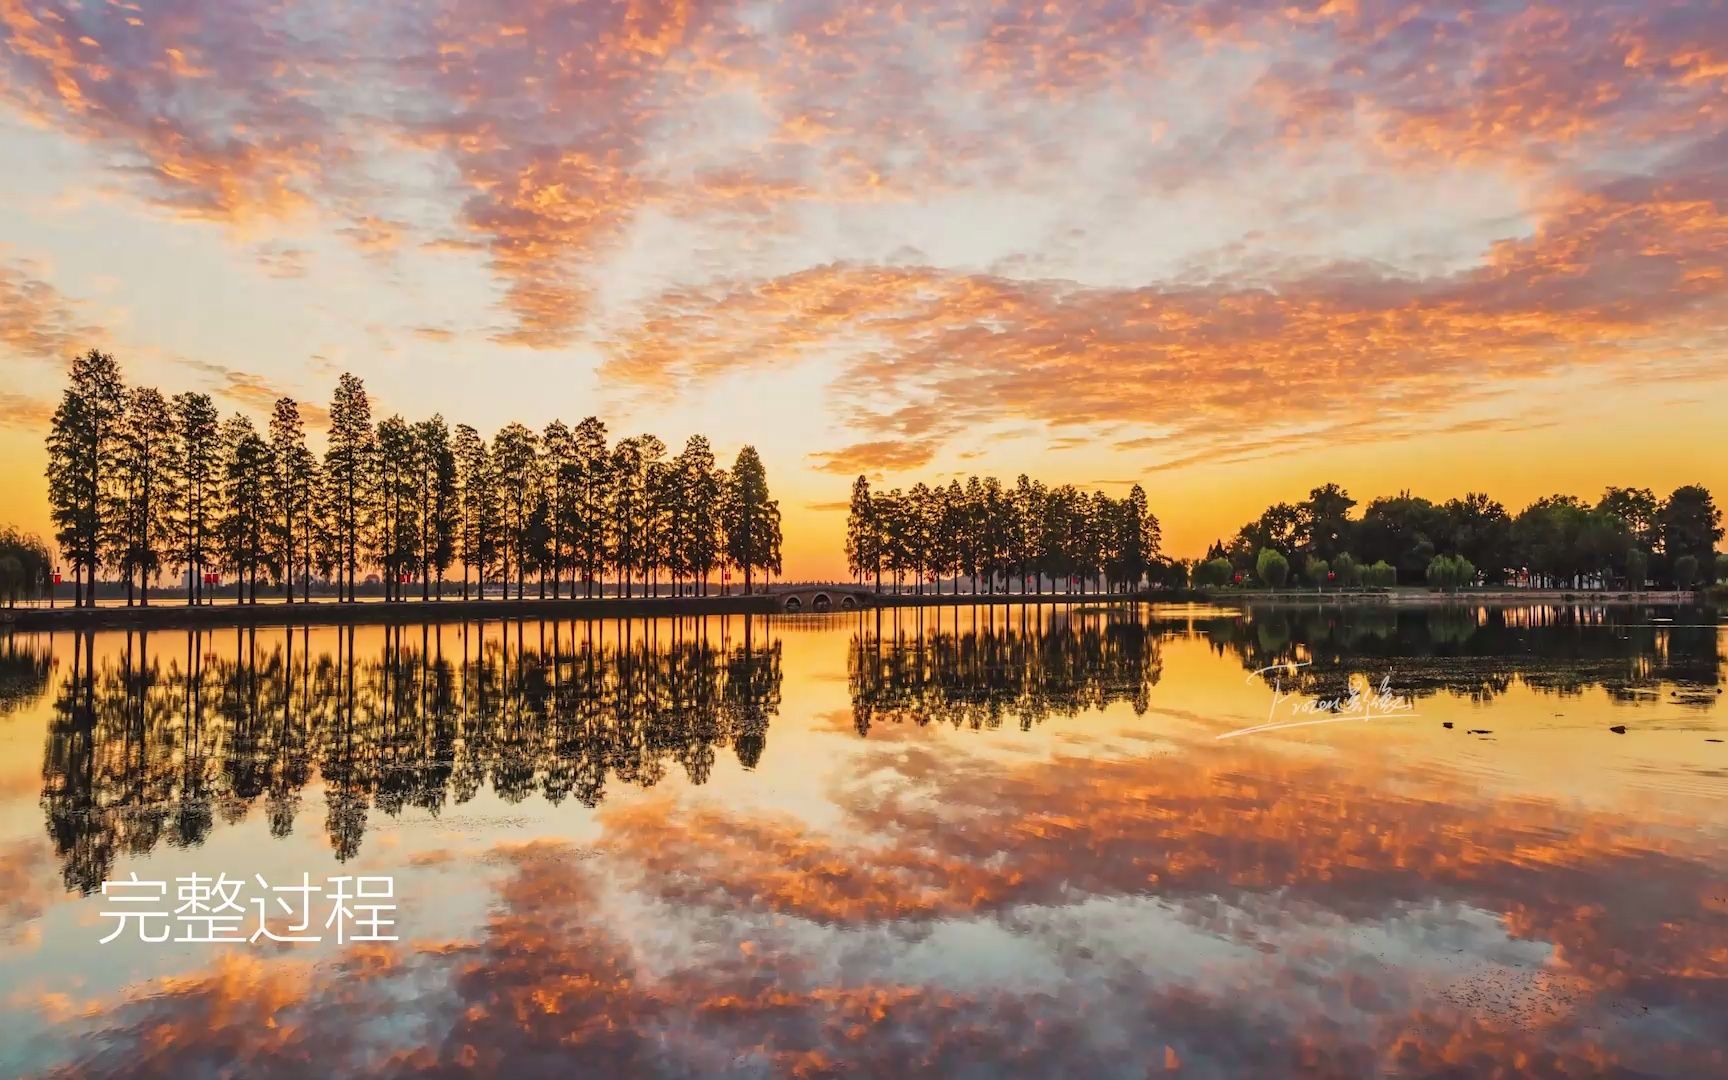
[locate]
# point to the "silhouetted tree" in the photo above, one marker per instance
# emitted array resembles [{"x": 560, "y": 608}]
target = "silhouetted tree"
[
  {"x": 347, "y": 471},
  {"x": 477, "y": 538},
  {"x": 393, "y": 526},
  {"x": 197, "y": 481},
  {"x": 590, "y": 524},
  {"x": 1691, "y": 525},
  {"x": 516, "y": 474},
  {"x": 82, "y": 441},
  {"x": 558, "y": 467},
  {"x": 293, "y": 480},
  {"x": 243, "y": 528},
  {"x": 141, "y": 524},
  {"x": 696, "y": 517},
  {"x": 440, "y": 509},
  {"x": 752, "y": 519},
  {"x": 26, "y": 566}
]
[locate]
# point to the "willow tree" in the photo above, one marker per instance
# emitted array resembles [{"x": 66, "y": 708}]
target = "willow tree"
[
  {"x": 141, "y": 525},
  {"x": 26, "y": 568},
  {"x": 81, "y": 443},
  {"x": 752, "y": 518},
  {"x": 293, "y": 471},
  {"x": 197, "y": 482},
  {"x": 347, "y": 470}
]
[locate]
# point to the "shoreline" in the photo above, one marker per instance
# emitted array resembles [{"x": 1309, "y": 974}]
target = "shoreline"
[{"x": 171, "y": 615}]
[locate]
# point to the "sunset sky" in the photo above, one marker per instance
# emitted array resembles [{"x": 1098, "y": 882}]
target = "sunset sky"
[{"x": 1229, "y": 249}]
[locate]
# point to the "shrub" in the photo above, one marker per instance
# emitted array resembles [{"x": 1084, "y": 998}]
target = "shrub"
[{"x": 1272, "y": 567}]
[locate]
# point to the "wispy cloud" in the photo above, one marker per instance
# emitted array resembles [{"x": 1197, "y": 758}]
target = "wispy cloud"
[{"x": 36, "y": 320}]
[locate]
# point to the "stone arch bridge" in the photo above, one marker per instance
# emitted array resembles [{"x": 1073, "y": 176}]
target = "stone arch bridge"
[{"x": 804, "y": 599}]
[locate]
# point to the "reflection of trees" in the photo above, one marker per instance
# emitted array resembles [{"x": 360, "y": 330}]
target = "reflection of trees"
[
  {"x": 156, "y": 744},
  {"x": 1473, "y": 652},
  {"x": 1025, "y": 669},
  {"x": 23, "y": 673}
]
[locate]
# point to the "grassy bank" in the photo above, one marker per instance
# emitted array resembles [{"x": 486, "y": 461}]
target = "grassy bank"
[
  {"x": 330, "y": 613},
  {"x": 180, "y": 616}
]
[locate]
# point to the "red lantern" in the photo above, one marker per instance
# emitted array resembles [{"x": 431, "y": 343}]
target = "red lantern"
[
  {"x": 402, "y": 579},
  {"x": 1331, "y": 575},
  {"x": 56, "y": 577}
]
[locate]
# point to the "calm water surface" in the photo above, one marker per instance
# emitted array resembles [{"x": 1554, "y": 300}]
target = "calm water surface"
[{"x": 951, "y": 843}]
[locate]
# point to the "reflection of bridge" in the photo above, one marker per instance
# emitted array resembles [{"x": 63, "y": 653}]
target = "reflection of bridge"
[{"x": 806, "y": 598}]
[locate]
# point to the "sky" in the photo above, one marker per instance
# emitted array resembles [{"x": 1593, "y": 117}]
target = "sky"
[{"x": 1228, "y": 249}]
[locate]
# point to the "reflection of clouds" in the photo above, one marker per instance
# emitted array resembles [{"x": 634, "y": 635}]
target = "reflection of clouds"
[
  {"x": 1239, "y": 843},
  {"x": 27, "y": 888},
  {"x": 555, "y": 979},
  {"x": 1235, "y": 909}
]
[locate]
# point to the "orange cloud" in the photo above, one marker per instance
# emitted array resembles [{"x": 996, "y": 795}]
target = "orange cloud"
[
  {"x": 24, "y": 412},
  {"x": 226, "y": 136},
  {"x": 255, "y": 392},
  {"x": 923, "y": 353},
  {"x": 36, "y": 320}
]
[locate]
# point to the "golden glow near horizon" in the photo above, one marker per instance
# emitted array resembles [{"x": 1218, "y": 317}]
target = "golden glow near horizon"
[{"x": 1229, "y": 250}]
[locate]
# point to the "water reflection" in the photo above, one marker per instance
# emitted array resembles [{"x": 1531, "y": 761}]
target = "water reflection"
[
  {"x": 1001, "y": 663},
  {"x": 1478, "y": 652},
  {"x": 24, "y": 668},
  {"x": 1102, "y": 890},
  {"x": 157, "y": 742}
]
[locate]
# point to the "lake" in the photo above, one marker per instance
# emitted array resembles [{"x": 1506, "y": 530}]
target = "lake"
[{"x": 1093, "y": 841}]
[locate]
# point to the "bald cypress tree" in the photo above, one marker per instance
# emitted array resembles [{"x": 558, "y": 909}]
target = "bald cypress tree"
[
  {"x": 293, "y": 470},
  {"x": 82, "y": 442},
  {"x": 197, "y": 483},
  {"x": 477, "y": 498},
  {"x": 243, "y": 528},
  {"x": 140, "y": 527},
  {"x": 590, "y": 505},
  {"x": 752, "y": 518},
  {"x": 516, "y": 466},
  {"x": 864, "y": 534},
  {"x": 435, "y": 463},
  {"x": 347, "y": 474}
]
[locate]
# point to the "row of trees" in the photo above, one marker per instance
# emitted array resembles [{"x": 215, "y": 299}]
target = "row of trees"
[
  {"x": 994, "y": 534},
  {"x": 1628, "y": 536},
  {"x": 139, "y": 483}
]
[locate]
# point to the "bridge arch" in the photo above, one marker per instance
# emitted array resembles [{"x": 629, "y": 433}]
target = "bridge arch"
[{"x": 816, "y": 599}]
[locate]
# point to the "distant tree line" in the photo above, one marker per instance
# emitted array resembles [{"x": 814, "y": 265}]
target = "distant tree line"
[
  {"x": 1001, "y": 538},
  {"x": 1627, "y": 538},
  {"x": 140, "y": 484}
]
